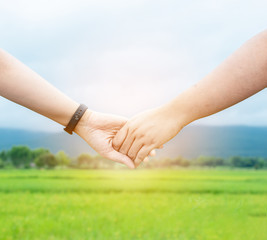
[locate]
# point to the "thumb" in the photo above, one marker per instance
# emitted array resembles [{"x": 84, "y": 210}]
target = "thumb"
[{"x": 121, "y": 158}]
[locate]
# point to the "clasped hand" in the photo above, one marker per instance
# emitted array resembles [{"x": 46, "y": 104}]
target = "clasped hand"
[{"x": 128, "y": 141}]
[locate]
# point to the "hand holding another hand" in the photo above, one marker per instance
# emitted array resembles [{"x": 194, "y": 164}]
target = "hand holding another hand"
[
  {"x": 145, "y": 132},
  {"x": 98, "y": 130}
]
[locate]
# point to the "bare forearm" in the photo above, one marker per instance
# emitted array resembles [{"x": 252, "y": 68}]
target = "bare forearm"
[
  {"x": 240, "y": 76},
  {"x": 243, "y": 74},
  {"x": 20, "y": 84}
]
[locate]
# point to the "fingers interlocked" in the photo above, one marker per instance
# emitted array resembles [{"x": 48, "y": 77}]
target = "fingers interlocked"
[{"x": 130, "y": 142}]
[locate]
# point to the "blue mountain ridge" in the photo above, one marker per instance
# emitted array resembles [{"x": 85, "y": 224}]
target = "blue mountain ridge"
[{"x": 192, "y": 141}]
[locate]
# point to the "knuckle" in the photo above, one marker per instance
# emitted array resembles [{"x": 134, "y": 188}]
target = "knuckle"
[
  {"x": 123, "y": 150},
  {"x": 129, "y": 126},
  {"x": 132, "y": 130},
  {"x": 141, "y": 157},
  {"x": 115, "y": 142},
  {"x": 131, "y": 155},
  {"x": 138, "y": 160},
  {"x": 152, "y": 141},
  {"x": 140, "y": 135}
]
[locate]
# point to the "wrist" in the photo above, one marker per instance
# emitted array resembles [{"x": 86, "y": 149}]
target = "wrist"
[
  {"x": 84, "y": 123},
  {"x": 178, "y": 112},
  {"x": 64, "y": 116}
]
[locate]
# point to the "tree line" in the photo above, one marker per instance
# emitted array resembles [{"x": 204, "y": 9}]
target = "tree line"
[{"x": 23, "y": 157}]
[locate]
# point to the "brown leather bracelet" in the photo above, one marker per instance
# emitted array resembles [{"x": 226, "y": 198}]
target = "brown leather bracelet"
[{"x": 75, "y": 118}]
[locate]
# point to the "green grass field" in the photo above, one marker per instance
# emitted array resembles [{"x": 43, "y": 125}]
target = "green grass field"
[{"x": 139, "y": 204}]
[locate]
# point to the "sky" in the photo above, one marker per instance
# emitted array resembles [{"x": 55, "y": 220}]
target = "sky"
[{"x": 123, "y": 57}]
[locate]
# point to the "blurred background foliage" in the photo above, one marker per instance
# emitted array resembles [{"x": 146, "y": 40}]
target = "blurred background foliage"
[{"x": 22, "y": 157}]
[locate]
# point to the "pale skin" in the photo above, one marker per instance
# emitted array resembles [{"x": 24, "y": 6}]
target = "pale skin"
[
  {"x": 21, "y": 85},
  {"x": 240, "y": 76}
]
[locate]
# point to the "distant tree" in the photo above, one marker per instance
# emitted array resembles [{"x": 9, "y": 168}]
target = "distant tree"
[
  {"x": 84, "y": 159},
  {"x": 180, "y": 161},
  {"x": 39, "y": 162},
  {"x": 4, "y": 155},
  {"x": 247, "y": 162},
  {"x": 88, "y": 161},
  {"x": 62, "y": 158},
  {"x": 209, "y": 161},
  {"x": 259, "y": 163},
  {"x": 51, "y": 160},
  {"x": 2, "y": 164},
  {"x": 253, "y": 162},
  {"x": 8, "y": 165},
  {"x": 20, "y": 156},
  {"x": 38, "y": 152},
  {"x": 164, "y": 163},
  {"x": 102, "y": 162},
  {"x": 236, "y": 161},
  {"x": 47, "y": 160}
]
